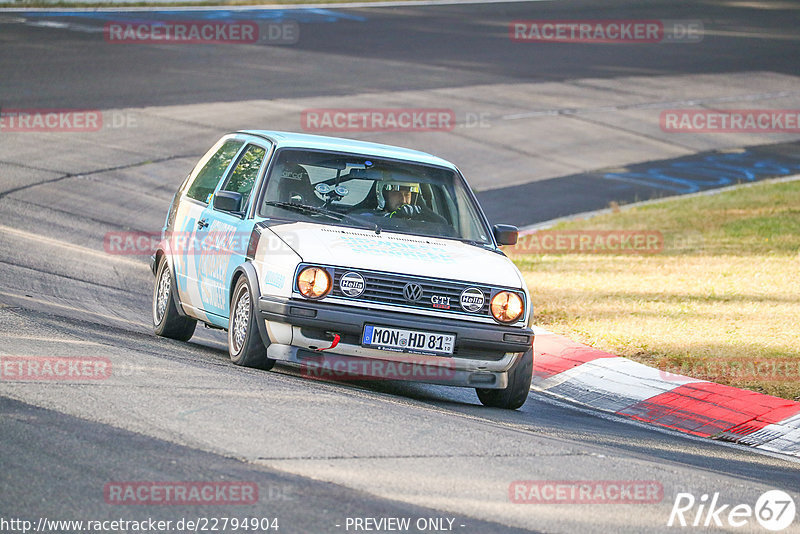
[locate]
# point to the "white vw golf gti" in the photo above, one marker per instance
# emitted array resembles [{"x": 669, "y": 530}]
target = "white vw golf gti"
[{"x": 345, "y": 256}]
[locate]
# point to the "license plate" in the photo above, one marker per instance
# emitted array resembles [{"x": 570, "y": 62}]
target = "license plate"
[{"x": 402, "y": 340}]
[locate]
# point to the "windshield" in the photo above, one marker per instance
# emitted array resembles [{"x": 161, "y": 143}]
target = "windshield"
[{"x": 375, "y": 193}]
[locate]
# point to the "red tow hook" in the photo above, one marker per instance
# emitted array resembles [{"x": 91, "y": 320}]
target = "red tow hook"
[{"x": 335, "y": 342}]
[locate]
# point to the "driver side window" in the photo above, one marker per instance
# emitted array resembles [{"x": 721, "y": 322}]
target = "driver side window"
[
  {"x": 206, "y": 180},
  {"x": 245, "y": 174}
]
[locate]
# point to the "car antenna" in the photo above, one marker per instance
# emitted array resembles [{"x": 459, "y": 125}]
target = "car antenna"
[{"x": 377, "y": 229}]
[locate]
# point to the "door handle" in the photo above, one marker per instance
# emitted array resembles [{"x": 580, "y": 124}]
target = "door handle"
[{"x": 202, "y": 224}]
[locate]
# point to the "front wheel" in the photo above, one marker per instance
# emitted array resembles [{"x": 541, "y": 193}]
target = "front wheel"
[
  {"x": 519, "y": 385},
  {"x": 245, "y": 346},
  {"x": 167, "y": 322}
]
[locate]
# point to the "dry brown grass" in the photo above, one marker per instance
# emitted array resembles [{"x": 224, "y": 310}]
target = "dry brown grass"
[{"x": 721, "y": 302}]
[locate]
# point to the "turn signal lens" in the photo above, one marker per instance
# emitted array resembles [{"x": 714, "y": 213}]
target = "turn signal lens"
[
  {"x": 313, "y": 282},
  {"x": 507, "y": 307}
]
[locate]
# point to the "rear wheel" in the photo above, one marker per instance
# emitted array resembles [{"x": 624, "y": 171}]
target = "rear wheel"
[
  {"x": 519, "y": 385},
  {"x": 245, "y": 346},
  {"x": 167, "y": 322}
]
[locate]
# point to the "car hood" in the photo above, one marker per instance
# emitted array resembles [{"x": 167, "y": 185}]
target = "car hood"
[{"x": 398, "y": 253}]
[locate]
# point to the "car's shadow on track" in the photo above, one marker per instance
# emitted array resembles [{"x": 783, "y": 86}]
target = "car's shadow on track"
[
  {"x": 444, "y": 396},
  {"x": 417, "y": 391}
]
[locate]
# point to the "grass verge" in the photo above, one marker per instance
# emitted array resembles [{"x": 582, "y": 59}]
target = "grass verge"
[{"x": 720, "y": 301}]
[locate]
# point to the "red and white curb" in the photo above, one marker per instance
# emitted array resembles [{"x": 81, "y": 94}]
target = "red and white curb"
[{"x": 603, "y": 381}]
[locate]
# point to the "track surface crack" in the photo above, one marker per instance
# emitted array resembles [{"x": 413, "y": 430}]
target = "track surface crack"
[{"x": 81, "y": 174}]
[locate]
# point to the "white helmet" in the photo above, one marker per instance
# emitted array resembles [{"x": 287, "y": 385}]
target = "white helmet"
[{"x": 387, "y": 185}]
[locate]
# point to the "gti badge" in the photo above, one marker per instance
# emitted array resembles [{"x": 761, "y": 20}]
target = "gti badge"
[
  {"x": 352, "y": 284},
  {"x": 472, "y": 299},
  {"x": 440, "y": 301}
]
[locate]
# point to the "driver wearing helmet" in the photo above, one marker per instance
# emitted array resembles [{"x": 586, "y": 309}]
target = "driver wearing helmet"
[{"x": 399, "y": 199}]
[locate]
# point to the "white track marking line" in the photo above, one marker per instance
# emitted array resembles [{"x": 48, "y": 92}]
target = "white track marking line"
[
  {"x": 49, "y": 339},
  {"x": 38, "y": 238},
  {"x": 80, "y": 311}
]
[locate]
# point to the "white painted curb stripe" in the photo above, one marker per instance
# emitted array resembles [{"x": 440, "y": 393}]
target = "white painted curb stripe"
[{"x": 614, "y": 384}]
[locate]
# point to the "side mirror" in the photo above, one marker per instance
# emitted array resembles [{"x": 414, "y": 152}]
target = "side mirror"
[
  {"x": 228, "y": 201},
  {"x": 505, "y": 234}
]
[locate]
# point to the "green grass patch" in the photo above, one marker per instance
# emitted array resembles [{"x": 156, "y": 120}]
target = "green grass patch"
[{"x": 720, "y": 302}]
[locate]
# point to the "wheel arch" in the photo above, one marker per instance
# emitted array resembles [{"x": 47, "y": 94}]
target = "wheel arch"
[
  {"x": 163, "y": 252},
  {"x": 247, "y": 270}
]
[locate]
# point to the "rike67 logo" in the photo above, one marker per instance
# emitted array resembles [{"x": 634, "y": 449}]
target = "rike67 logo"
[{"x": 774, "y": 510}]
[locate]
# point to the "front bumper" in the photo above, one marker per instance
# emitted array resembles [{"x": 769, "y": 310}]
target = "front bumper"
[{"x": 482, "y": 357}]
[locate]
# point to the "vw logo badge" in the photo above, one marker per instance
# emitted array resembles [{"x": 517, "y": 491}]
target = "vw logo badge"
[{"x": 412, "y": 292}]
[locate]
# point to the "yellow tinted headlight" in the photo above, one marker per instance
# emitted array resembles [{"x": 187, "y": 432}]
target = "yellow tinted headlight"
[
  {"x": 507, "y": 307},
  {"x": 313, "y": 282}
]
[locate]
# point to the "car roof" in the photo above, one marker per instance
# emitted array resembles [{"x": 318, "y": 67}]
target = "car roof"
[{"x": 338, "y": 144}]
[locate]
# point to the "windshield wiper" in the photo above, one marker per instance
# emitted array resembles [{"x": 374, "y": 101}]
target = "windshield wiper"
[
  {"x": 305, "y": 208},
  {"x": 481, "y": 244}
]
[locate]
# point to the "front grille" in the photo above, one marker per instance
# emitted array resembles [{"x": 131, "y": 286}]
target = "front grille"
[{"x": 386, "y": 288}]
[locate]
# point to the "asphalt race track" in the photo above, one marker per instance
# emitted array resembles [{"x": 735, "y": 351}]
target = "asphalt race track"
[
  {"x": 444, "y": 46},
  {"x": 322, "y": 452}
]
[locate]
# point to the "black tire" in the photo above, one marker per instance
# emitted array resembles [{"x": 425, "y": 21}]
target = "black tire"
[
  {"x": 519, "y": 385},
  {"x": 245, "y": 345},
  {"x": 167, "y": 322}
]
